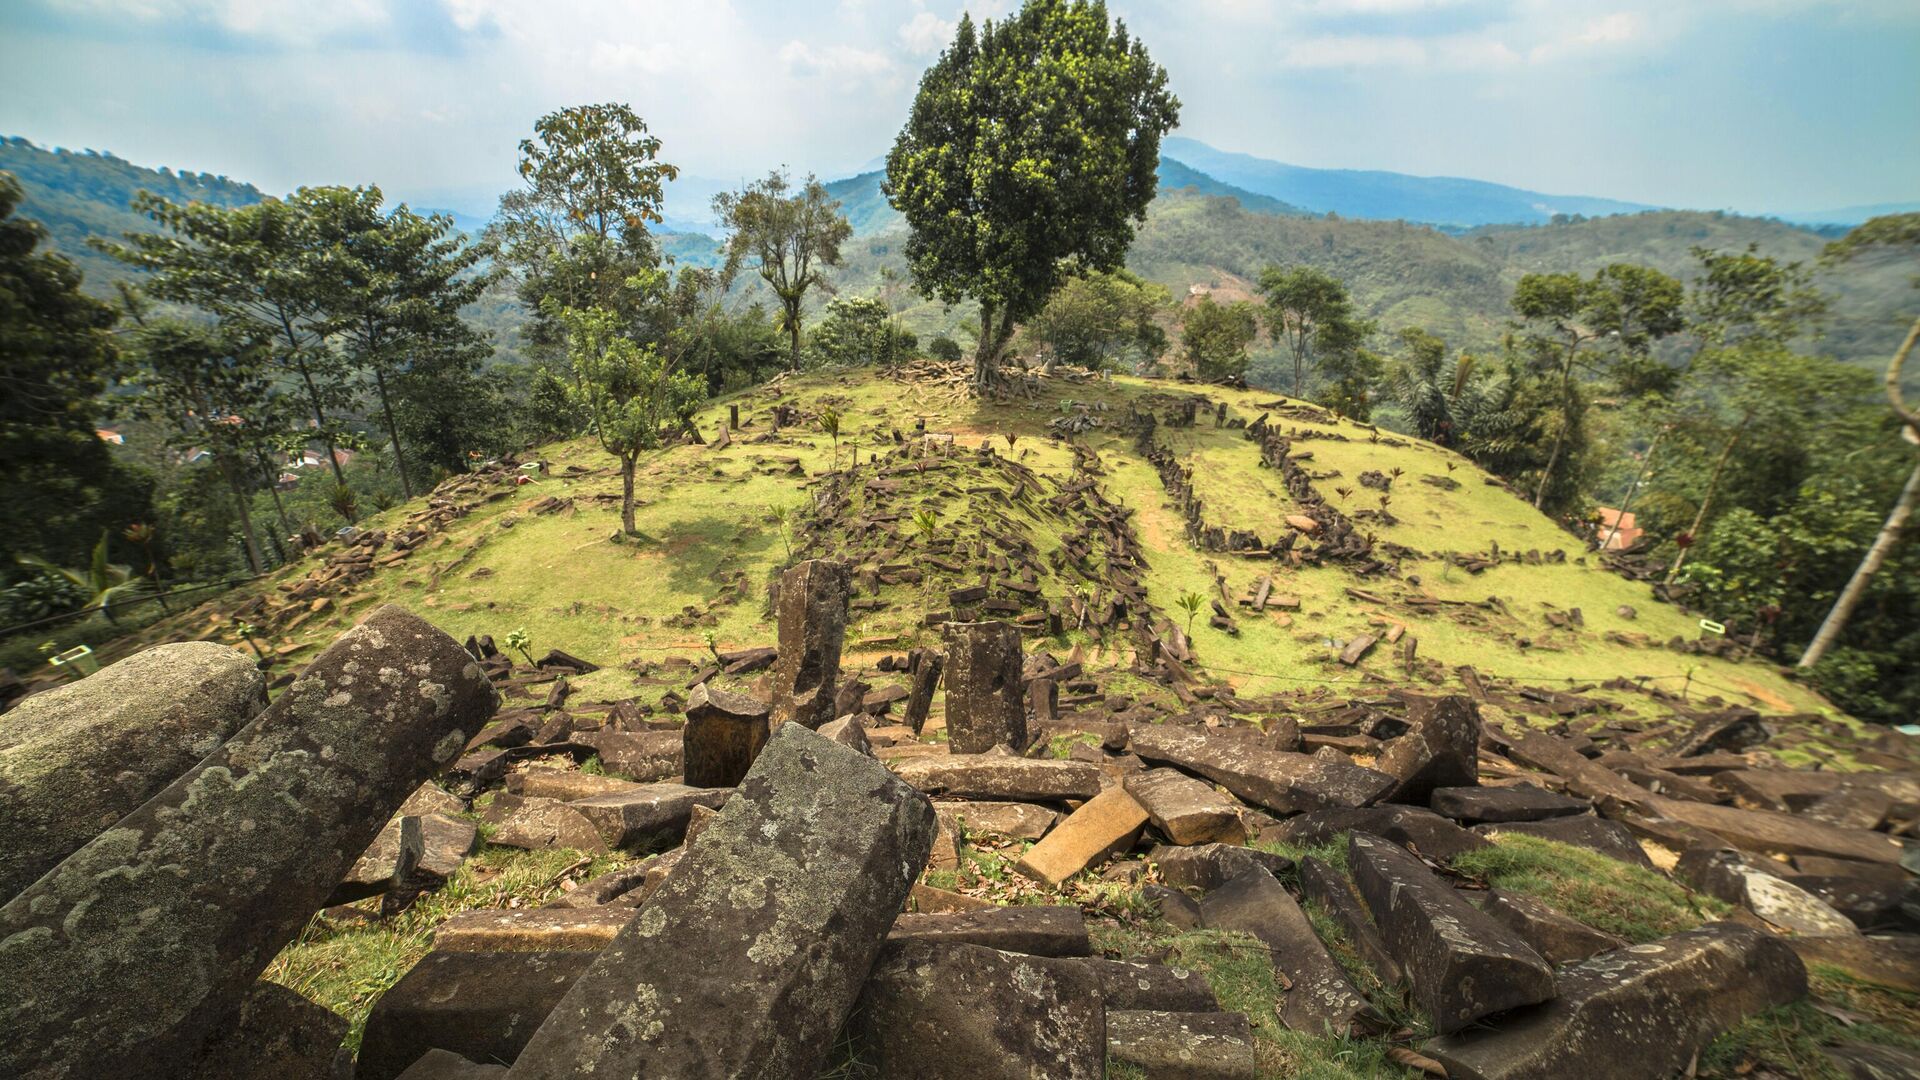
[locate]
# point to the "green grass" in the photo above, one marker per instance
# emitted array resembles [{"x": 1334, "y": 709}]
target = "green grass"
[
  {"x": 1787, "y": 1039},
  {"x": 1630, "y": 901},
  {"x": 346, "y": 966}
]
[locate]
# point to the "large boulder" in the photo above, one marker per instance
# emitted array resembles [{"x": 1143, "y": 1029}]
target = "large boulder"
[
  {"x": 1186, "y": 810},
  {"x": 1726, "y": 874},
  {"x": 936, "y": 1012},
  {"x": 146, "y": 938},
  {"x": 724, "y": 733},
  {"x": 1633, "y": 1013},
  {"x": 1463, "y": 964},
  {"x": 1519, "y": 802},
  {"x": 76, "y": 759},
  {"x": 750, "y": 955},
  {"x": 1281, "y": 781},
  {"x": 1440, "y": 749}
]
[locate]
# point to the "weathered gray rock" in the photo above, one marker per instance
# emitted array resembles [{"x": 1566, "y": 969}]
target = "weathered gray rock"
[
  {"x": 1409, "y": 826},
  {"x": 849, "y": 732},
  {"x": 1176, "y": 907},
  {"x": 996, "y": 776},
  {"x": 139, "y": 943},
  {"x": 1584, "y": 777},
  {"x": 1520, "y": 802},
  {"x": 1036, "y": 930},
  {"x": 483, "y": 1006},
  {"x": 1019, "y": 820},
  {"x": 1141, "y": 984},
  {"x": 926, "y": 678},
  {"x": 947, "y": 1012},
  {"x": 724, "y": 733},
  {"x": 1321, "y": 1000},
  {"x": 1183, "y": 1045},
  {"x": 649, "y": 818},
  {"x": 277, "y": 1035},
  {"x": 1440, "y": 749},
  {"x": 565, "y": 785},
  {"x": 1186, "y": 810},
  {"x": 1609, "y": 838},
  {"x": 543, "y": 929},
  {"x": 1866, "y": 1061},
  {"x": 748, "y": 958},
  {"x": 812, "y": 613},
  {"x": 640, "y": 756},
  {"x": 76, "y": 759},
  {"x": 1463, "y": 965},
  {"x": 1559, "y": 938},
  {"x": 1633, "y": 1013},
  {"x": 386, "y": 864},
  {"x": 1728, "y": 731},
  {"x": 1890, "y": 960},
  {"x": 537, "y": 824},
  {"x": 1726, "y": 874},
  {"x": 984, "y": 704},
  {"x": 1283, "y": 782}
]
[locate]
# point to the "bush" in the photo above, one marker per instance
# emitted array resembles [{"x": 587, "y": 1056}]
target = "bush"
[
  {"x": 944, "y": 348},
  {"x": 857, "y": 332}
]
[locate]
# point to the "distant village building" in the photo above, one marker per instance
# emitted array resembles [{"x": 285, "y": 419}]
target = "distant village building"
[
  {"x": 108, "y": 435},
  {"x": 1616, "y": 531}
]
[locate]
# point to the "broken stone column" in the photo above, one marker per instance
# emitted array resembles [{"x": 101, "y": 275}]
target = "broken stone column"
[
  {"x": 1462, "y": 963},
  {"x": 132, "y": 950},
  {"x": 926, "y": 676},
  {"x": 748, "y": 958},
  {"x": 812, "y": 612},
  {"x": 984, "y": 700},
  {"x": 723, "y": 734},
  {"x": 1321, "y": 1001},
  {"x": 1644, "y": 1010},
  {"x": 76, "y": 759}
]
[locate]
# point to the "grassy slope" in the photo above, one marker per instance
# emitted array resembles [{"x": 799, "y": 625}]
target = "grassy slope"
[{"x": 707, "y": 520}]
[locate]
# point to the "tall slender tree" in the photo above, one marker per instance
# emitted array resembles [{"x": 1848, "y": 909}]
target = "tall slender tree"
[
  {"x": 1029, "y": 155},
  {"x": 791, "y": 234},
  {"x": 1311, "y": 311}
]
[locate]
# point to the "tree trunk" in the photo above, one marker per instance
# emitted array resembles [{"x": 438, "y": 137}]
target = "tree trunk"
[
  {"x": 250, "y": 539},
  {"x": 393, "y": 432},
  {"x": 627, "y": 465},
  {"x": 279, "y": 507},
  {"x": 983, "y": 356},
  {"x": 1849, "y": 598},
  {"x": 1646, "y": 467},
  {"x": 793, "y": 333},
  {"x": 1706, "y": 501},
  {"x": 1560, "y": 437},
  {"x": 313, "y": 396}
]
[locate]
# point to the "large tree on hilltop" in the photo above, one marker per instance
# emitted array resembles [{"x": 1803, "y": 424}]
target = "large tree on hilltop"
[
  {"x": 792, "y": 234},
  {"x": 1311, "y": 312},
  {"x": 1029, "y": 156}
]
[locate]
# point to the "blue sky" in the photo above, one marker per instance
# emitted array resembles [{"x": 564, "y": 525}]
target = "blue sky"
[{"x": 1756, "y": 105}]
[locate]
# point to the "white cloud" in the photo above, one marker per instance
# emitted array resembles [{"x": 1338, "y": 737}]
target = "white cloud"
[
  {"x": 282, "y": 21},
  {"x": 806, "y": 61},
  {"x": 926, "y": 34}
]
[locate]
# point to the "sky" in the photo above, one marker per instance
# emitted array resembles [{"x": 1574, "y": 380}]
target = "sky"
[{"x": 1752, "y": 105}]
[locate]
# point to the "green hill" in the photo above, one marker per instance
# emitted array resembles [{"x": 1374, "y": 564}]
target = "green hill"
[{"x": 539, "y": 556}]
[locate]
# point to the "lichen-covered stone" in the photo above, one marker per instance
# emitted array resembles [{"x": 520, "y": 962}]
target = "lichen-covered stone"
[
  {"x": 1517, "y": 802},
  {"x": 649, "y": 818},
  {"x": 996, "y": 776},
  {"x": 951, "y": 1011},
  {"x": 1183, "y": 1045},
  {"x": 276, "y": 1035},
  {"x": 1034, "y": 929},
  {"x": 746, "y": 961},
  {"x": 1463, "y": 964},
  {"x": 723, "y": 734},
  {"x": 78, "y": 758},
  {"x": 139, "y": 943},
  {"x": 1636, "y": 1012},
  {"x": 1145, "y": 984}
]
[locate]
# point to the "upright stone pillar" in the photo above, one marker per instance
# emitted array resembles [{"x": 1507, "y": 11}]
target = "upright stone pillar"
[
  {"x": 812, "y": 613},
  {"x": 926, "y": 676},
  {"x": 127, "y": 955},
  {"x": 985, "y": 708}
]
